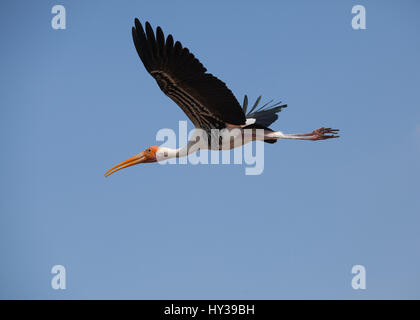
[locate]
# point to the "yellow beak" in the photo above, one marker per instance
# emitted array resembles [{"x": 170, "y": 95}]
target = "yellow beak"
[{"x": 138, "y": 158}]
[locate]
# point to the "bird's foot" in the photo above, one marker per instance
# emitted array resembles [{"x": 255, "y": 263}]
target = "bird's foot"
[{"x": 324, "y": 133}]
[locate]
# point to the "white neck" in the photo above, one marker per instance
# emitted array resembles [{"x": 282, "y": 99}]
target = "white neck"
[{"x": 165, "y": 153}]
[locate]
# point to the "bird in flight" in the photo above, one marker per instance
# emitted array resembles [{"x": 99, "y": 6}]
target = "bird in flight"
[{"x": 207, "y": 101}]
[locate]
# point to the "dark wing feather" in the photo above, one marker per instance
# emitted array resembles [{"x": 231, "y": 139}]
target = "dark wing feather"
[{"x": 206, "y": 100}]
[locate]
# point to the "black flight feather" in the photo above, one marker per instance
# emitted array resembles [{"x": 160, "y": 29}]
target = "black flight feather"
[{"x": 206, "y": 100}]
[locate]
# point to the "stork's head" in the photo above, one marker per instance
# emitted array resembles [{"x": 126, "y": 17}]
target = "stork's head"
[{"x": 148, "y": 155}]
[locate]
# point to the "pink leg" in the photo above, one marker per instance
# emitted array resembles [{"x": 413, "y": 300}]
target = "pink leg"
[{"x": 318, "y": 134}]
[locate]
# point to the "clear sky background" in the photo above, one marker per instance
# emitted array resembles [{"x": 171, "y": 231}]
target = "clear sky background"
[{"x": 75, "y": 102}]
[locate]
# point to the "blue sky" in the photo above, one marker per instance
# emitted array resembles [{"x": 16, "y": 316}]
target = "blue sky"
[{"x": 74, "y": 102}]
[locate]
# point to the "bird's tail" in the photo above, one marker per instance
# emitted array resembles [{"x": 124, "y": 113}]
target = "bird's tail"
[{"x": 266, "y": 114}]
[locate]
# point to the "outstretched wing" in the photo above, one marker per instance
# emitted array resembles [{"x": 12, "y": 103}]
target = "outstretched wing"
[
  {"x": 264, "y": 115},
  {"x": 206, "y": 100}
]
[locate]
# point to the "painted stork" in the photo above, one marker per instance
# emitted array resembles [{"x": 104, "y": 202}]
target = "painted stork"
[{"x": 205, "y": 99}]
